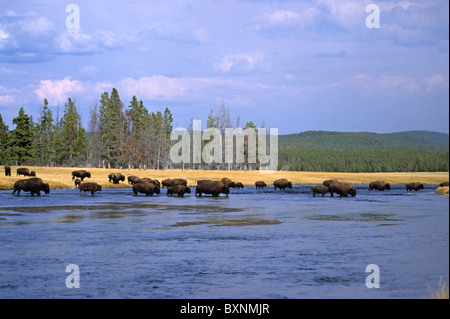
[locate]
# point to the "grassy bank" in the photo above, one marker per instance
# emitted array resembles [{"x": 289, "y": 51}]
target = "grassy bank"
[{"x": 61, "y": 177}]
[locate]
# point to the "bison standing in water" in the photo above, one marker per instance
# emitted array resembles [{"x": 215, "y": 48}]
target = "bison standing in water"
[
  {"x": 212, "y": 187},
  {"x": 33, "y": 185},
  {"x": 178, "y": 189},
  {"x": 82, "y": 174},
  {"x": 320, "y": 189},
  {"x": 89, "y": 187},
  {"x": 260, "y": 185},
  {"x": 380, "y": 185},
  {"x": 414, "y": 186},
  {"x": 343, "y": 189},
  {"x": 147, "y": 188},
  {"x": 282, "y": 183}
]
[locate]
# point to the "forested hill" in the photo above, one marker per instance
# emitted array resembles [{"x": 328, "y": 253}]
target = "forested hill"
[
  {"x": 424, "y": 140},
  {"x": 412, "y": 151}
]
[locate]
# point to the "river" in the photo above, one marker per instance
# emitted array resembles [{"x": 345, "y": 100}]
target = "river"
[{"x": 252, "y": 244}]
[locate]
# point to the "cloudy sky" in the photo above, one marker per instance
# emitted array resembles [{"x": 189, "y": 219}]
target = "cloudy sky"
[{"x": 296, "y": 65}]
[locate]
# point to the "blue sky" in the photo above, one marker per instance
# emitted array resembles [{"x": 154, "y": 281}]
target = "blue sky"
[{"x": 296, "y": 65}]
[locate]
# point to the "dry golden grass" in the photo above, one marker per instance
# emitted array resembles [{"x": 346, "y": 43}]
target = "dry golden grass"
[
  {"x": 61, "y": 177},
  {"x": 442, "y": 190},
  {"x": 441, "y": 292}
]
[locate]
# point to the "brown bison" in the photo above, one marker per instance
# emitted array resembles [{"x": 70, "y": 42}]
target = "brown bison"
[
  {"x": 203, "y": 180},
  {"x": 212, "y": 187},
  {"x": 34, "y": 185},
  {"x": 82, "y": 174},
  {"x": 239, "y": 185},
  {"x": 328, "y": 182},
  {"x": 260, "y": 185},
  {"x": 343, "y": 189},
  {"x": 133, "y": 179},
  {"x": 167, "y": 182},
  {"x": 77, "y": 183},
  {"x": 116, "y": 178},
  {"x": 23, "y": 171},
  {"x": 228, "y": 182},
  {"x": 7, "y": 170},
  {"x": 380, "y": 185},
  {"x": 444, "y": 184},
  {"x": 178, "y": 189},
  {"x": 89, "y": 187},
  {"x": 145, "y": 188},
  {"x": 320, "y": 189},
  {"x": 414, "y": 186},
  {"x": 282, "y": 183}
]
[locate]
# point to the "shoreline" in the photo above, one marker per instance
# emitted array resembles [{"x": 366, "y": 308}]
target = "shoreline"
[{"x": 61, "y": 177}]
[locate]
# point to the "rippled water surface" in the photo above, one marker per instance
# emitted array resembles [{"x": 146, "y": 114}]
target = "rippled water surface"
[{"x": 252, "y": 244}]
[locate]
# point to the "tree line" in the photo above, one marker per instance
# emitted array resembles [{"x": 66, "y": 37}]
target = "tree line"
[
  {"x": 117, "y": 136},
  {"x": 388, "y": 160},
  {"x": 130, "y": 136}
]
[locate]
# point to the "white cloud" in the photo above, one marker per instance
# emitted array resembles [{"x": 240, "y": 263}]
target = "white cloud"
[
  {"x": 57, "y": 91},
  {"x": 239, "y": 62},
  {"x": 433, "y": 81},
  {"x": 398, "y": 82}
]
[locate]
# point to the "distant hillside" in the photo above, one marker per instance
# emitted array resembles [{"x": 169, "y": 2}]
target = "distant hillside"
[
  {"x": 425, "y": 140},
  {"x": 412, "y": 151}
]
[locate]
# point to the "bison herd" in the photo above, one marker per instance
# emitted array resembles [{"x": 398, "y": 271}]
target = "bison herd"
[{"x": 179, "y": 187}]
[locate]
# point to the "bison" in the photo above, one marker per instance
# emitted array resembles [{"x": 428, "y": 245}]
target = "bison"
[
  {"x": 203, "y": 180},
  {"x": 89, "y": 187},
  {"x": 320, "y": 189},
  {"x": 146, "y": 188},
  {"x": 282, "y": 183},
  {"x": 328, "y": 182},
  {"x": 77, "y": 183},
  {"x": 23, "y": 171},
  {"x": 133, "y": 179},
  {"x": 260, "y": 185},
  {"x": 34, "y": 185},
  {"x": 167, "y": 182},
  {"x": 443, "y": 184},
  {"x": 116, "y": 178},
  {"x": 239, "y": 185},
  {"x": 380, "y": 185},
  {"x": 414, "y": 186},
  {"x": 7, "y": 170},
  {"x": 178, "y": 189},
  {"x": 82, "y": 174},
  {"x": 228, "y": 182},
  {"x": 213, "y": 188},
  {"x": 343, "y": 189}
]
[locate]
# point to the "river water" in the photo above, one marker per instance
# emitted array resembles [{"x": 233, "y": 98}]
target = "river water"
[{"x": 252, "y": 244}]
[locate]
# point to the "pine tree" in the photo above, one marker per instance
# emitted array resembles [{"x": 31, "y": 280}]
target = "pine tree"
[
  {"x": 112, "y": 127},
  {"x": 72, "y": 141},
  {"x": 43, "y": 136},
  {"x": 5, "y": 150},
  {"x": 22, "y": 150}
]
